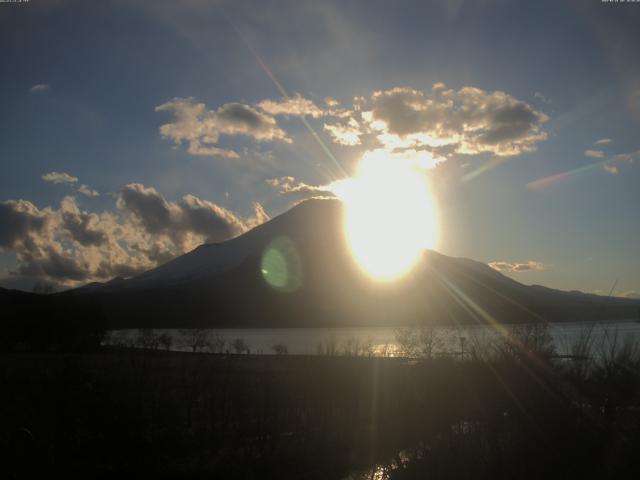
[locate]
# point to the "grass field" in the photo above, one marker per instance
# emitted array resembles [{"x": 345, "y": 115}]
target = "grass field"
[{"x": 170, "y": 414}]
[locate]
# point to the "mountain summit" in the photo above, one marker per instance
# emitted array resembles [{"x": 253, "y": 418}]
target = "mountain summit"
[{"x": 297, "y": 271}]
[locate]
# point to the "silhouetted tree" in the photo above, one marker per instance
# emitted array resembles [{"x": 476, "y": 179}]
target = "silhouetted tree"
[
  {"x": 196, "y": 338},
  {"x": 148, "y": 338},
  {"x": 216, "y": 342},
  {"x": 280, "y": 349},
  {"x": 422, "y": 341},
  {"x": 239, "y": 345},
  {"x": 165, "y": 340}
]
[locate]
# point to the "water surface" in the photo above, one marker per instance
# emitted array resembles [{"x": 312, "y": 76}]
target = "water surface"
[{"x": 382, "y": 341}]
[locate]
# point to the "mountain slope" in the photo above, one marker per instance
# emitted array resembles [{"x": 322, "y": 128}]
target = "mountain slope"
[{"x": 223, "y": 285}]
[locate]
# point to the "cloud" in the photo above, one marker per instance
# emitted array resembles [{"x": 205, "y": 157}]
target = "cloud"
[
  {"x": 618, "y": 293},
  {"x": 289, "y": 184},
  {"x": 603, "y": 141},
  {"x": 628, "y": 294},
  {"x": 88, "y": 191},
  {"x": 614, "y": 162},
  {"x": 331, "y": 102},
  {"x": 40, "y": 87},
  {"x": 345, "y": 133},
  {"x": 469, "y": 120},
  {"x": 512, "y": 267},
  {"x": 466, "y": 121},
  {"x": 179, "y": 220},
  {"x": 70, "y": 246},
  {"x": 631, "y": 157},
  {"x": 417, "y": 161},
  {"x": 611, "y": 164},
  {"x": 295, "y": 106},
  {"x": 212, "y": 222},
  {"x": 30, "y": 233},
  {"x": 20, "y": 221},
  {"x": 81, "y": 226},
  {"x": 188, "y": 222},
  {"x": 594, "y": 153},
  {"x": 59, "y": 177},
  {"x": 541, "y": 97},
  {"x": 201, "y": 128},
  {"x": 259, "y": 217}
]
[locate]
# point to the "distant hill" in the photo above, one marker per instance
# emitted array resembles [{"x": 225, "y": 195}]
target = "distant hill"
[
  {"x": 31, "y": 321},
  {"x": 317, "y": 283}
]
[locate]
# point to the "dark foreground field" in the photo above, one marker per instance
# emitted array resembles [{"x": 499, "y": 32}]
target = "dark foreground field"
[{"x": 157, "y": 414}]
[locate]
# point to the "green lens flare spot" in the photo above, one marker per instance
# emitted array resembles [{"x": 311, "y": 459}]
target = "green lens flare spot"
[{"x": 281, "y": 267}]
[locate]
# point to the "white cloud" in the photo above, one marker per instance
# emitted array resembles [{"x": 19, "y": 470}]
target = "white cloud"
[
  {"x": 465, "y": 121},
  {"x": 631, "y": 157},
  {"x": 259, "y": 217},
  {"x": 603, "y": 141},
  {"x": 611, "y": 164},
  {"x": 180, "y": 221},
  {"x": 201, "y": 128},
  {"x": 515, "y": 267},
  {"x": 345, "y": 134},
  {"x": 40, "y": 87},
  {"x": 331, "y": 102},
  {"x": 594, "y": 153},
  {"x": 469, "y": 120},
  {"x": 88, "y": 191},
  {"x": 618, "y": 293},
  {"x": 296, "y": 106},
  {"x": 59, "y": 177},
  {"x": 71, "y": 246},
  {"x": 289, "y": 184},
  {"x": 628, "y": 294}
]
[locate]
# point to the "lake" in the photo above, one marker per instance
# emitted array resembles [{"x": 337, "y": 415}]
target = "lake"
[{"x": 380, "y": 341}]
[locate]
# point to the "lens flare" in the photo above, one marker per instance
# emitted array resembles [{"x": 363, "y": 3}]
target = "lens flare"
[
  {"x": 559, "y": 177},
  {"x": 281, "y": 266},
  {"x": 389, "y": 216}
]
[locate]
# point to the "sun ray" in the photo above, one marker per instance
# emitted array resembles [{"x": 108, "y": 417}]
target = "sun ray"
[{"x": 269, "y": 73}]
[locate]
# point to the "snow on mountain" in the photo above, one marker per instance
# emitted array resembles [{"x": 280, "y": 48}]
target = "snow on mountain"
[{"x": 302, "y": 223}]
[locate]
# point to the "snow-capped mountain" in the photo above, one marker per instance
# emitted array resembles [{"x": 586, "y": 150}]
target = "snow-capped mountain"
[{"x": 225, "y": 285}]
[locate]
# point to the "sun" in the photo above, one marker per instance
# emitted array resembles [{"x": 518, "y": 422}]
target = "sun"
[{"x": 390, "y": 216}]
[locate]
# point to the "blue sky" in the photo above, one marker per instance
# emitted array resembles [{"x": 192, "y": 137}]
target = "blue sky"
[{"x": 82, "y": 83}]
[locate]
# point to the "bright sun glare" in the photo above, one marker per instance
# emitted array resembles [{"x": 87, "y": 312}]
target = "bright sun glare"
[{"x": 389, "y": 216}]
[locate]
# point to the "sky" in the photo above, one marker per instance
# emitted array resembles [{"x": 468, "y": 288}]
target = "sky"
[{"x": 131, "y": 132}]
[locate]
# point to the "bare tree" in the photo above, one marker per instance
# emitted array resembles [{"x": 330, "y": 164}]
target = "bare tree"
[
  {"x": 239, "y": 345},
  {"x": 196, "y": 338},
  {"x": 165, "y": 340},
  {"x": 216, "y": 343},
  {"x": 368, "y": 348},
  {"x": 331, "y": 348},
  {"x": 120, "y": 339},
  {"x": 385, "y": 350},
  {"x": 422, "y": 341},
  {"x": 280, "y": 349},
  {"x": 148, "y": 338},
  {"x": 352, "y": 347},
  {"x": 429, "y": 341},
  {"x": 528, "y": 341}
]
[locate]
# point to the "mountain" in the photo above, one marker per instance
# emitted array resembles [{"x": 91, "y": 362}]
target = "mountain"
[
  {"x": 296, "y": 271},
  {"x": 317, "y": 283}
]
